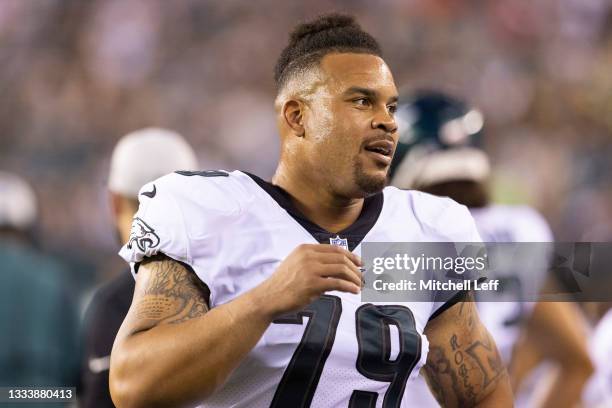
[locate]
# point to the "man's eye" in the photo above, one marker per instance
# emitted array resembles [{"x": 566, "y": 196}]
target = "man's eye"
[
  {"x": 392, "y": 109},
  {"x": 362, "y": 101}
]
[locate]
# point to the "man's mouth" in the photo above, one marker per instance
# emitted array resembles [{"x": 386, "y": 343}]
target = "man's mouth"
[{"x": 381, "y": 150}]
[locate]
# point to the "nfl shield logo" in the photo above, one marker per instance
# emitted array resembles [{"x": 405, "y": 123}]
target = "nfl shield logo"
[{"x": 341, "y": 242}]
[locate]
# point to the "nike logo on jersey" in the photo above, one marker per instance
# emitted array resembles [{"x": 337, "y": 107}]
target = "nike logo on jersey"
[
  {"x": 150, "y": 194},
  {"x": 99, "y": 364}
]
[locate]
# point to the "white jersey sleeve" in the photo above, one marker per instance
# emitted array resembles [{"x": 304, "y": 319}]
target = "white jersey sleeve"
[
  {"x": 180, "y": 214},
  {"x": 445, "y": 220}
]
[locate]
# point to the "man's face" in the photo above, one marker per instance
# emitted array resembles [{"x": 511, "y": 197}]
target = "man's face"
[{"x": 350, "y": 129}]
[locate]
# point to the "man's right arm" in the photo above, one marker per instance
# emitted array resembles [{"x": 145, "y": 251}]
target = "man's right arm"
[
  {"x": 173, "y": 351},
  {"x": 162, "y": 354}
]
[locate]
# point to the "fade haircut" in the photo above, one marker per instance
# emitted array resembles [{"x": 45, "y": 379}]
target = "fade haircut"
[{"x": 309, "y": 42}]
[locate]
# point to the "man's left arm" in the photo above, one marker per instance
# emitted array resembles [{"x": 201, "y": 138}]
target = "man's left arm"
[{"x": 464, "y": 368}]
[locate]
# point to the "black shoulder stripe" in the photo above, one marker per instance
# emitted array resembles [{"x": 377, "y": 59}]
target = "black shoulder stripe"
[
  {"x": 203, "y": 173},
  {"x": 458, "y": 297}
]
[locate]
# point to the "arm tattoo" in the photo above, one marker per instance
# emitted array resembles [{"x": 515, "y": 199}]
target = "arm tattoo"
[
  {"x": 463, "y": 365},
  {"x": 172, "y": 294},
  {"x": 437, "y": 365}
]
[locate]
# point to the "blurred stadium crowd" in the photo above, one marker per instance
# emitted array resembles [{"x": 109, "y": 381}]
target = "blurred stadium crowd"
[{"x": 77, "y": 75}]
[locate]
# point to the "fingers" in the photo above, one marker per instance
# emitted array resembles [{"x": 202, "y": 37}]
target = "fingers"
[
  {"x": 337, "y": 268},
  {"x": 334, "y": 249},
  {"x": 338, "y": 259},
  {"x": 339, "y": 263},
  {"x": 341, "y": 272},
  {"x": 331, "y": 284}
]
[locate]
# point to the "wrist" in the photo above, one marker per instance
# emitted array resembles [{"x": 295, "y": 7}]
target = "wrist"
[{"x": 259, "y": 300}]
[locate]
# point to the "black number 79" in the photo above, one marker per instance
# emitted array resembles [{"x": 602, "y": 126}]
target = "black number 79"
[{"x": 300, "y": 380}]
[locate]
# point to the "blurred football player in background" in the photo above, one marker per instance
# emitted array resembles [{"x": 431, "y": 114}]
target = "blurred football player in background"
[
  {"x": 439, "y": 152},
  {"x": 38, "y": 318},
  {"x": 598, "y": 391},
  {"x": 138, "y": 158}
]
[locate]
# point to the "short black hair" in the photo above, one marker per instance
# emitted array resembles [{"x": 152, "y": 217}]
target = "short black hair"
[{"x": 309, "y": 42}]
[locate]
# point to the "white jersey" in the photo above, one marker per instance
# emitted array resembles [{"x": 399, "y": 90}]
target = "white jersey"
[
  {"x": 598, "y": 391},
  {"x": 233, "y": 230},
  {"x": 498, "y": 223}
]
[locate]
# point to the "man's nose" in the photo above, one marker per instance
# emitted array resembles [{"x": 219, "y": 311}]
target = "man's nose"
[{"x": 384, "y": 120}]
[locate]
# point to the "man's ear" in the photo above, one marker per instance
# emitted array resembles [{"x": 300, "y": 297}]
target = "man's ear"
[
  {"x": 115, "y": 204},
  {"x": 293, "y": 114}
]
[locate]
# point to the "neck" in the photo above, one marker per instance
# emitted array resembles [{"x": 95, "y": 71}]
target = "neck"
[{"x": 316, "y": 201}]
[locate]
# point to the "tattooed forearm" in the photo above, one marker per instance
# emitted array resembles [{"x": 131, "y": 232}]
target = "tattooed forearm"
[
  {"x": 486, "y": 357},
  {"x": 463, "y": 364},
  {"x": 437, "y": 366},
  {"x": 474, "y": 367},
  {"x": 171, "y": 294}
]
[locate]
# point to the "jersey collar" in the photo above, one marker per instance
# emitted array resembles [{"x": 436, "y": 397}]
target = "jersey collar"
[{"x": 354, "y": 234}]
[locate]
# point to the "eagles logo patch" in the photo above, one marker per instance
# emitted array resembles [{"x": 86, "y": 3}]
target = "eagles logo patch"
[{"x": 142, "y": 235}]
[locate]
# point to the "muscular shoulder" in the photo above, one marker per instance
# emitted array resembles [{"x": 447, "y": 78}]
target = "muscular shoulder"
[
  {"x": 213, "y": 190},
  {"x": 183, "y": 209},
  {"x": 198, "y": 195},
  {"x": 440, "y": 218}
]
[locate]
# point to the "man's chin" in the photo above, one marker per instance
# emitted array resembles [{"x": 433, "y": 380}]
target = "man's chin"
[{"x": 371, "y": 183}]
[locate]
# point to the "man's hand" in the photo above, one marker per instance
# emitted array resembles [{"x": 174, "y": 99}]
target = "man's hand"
[
  {"x": 309, "y": 271},
  {"x": 464, "y": 368}
]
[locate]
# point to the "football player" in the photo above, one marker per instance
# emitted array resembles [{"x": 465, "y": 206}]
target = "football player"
[
  {"x": 439, "y": 152},
  {"x": 240, "y": 299},
  {"x": 598, "y": 391}
]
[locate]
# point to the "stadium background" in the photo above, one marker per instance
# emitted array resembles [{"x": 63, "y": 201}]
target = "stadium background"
[{"x": 78, "y": 75}]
